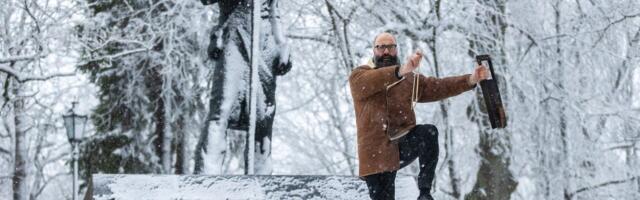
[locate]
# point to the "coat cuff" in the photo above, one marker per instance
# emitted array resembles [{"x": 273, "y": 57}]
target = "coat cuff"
[{"x": 470, "y": 87}]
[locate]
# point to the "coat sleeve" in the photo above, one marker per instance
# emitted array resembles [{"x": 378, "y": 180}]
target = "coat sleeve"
[
  {"x": 436, "y": 89},
  {"x": 365, "y": 81}
]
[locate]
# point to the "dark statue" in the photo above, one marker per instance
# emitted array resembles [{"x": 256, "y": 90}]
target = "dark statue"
[{"x": 229, "y": 51}]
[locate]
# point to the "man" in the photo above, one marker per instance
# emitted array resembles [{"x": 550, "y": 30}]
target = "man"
[{"x": 388, "y": 137}]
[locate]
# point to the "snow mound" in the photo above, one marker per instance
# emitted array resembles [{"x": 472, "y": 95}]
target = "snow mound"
[{"x": 139, "y": 187}]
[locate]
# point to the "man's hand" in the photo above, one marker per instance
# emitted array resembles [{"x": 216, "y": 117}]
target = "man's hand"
[
  {"x": 413, "y": 62},
  {"x": 480, "y": 73}
]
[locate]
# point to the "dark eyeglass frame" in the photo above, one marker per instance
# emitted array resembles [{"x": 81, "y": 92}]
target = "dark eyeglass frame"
[{"x": 382, "y": 47}]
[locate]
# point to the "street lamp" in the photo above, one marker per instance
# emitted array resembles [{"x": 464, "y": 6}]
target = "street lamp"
[{"x": 74, "y": 124}]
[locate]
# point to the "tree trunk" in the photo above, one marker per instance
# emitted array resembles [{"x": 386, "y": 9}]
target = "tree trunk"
[
  {"x": 339, "y": 27},
  {"x": 181, "y": 147},
  {"x": 566, "y": 161},
  {"x": 494, "y": 179},
  {"x": 444, "y": 109},
  {"x": 167, "y": 140},
  {"x": 20, "y": 190},
  {"x": 160, "y": 134}
]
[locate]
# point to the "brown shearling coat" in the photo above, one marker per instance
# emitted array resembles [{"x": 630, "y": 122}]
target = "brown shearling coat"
[{"x": 383, "y": 110}]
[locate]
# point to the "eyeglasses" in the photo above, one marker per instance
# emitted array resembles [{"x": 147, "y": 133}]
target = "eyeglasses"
[{"x": 389, "y": 47}]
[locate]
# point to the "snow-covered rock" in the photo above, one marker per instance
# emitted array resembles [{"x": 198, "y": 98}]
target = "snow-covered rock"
[{"x": 139, "y": 187}]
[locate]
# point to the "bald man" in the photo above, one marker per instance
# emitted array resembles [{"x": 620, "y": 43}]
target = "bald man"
[{"x": 383, "y": 92}]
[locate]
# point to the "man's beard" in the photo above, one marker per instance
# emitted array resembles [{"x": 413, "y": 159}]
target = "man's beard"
[{"x": 385, "y": 60}]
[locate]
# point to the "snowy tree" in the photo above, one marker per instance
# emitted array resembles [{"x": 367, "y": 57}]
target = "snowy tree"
[
  {"x": 553, "y": 80},
  {"x": 27, "y": 46},
  {"x": 487, "y": 36},
  {"x": 145, "y": 57},
  {"x": 161, "y": 76}
]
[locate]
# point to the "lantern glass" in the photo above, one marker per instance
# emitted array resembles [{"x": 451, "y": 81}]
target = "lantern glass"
[{"x": 75, "y": 125}]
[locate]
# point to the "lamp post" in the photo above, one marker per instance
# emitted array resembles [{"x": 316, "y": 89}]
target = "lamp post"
[{"x": 74, "y": 124}]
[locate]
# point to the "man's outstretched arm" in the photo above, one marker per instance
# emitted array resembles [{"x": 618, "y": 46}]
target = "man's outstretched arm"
[{"x": 435, "y": 89}]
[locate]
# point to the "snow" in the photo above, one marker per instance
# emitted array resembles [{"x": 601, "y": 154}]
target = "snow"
[
  {"x": 217, "y": 144},
  {"x": 173, "y": 187},
  {"x": 314, "y": 132},
  {"x": 108, "y": 186},
  {"x": 234, "y": 84},
  {"x": 278, "y": 34},
  {"x": 262, "y": 161}
]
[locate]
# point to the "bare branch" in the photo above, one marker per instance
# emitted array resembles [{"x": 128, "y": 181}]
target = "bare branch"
[
  {"x": 3, "y": 150},
  {"x": 47, "y": 181},
  {"x": 22, "y": 78},
  {"x": 605, "y": 29},
  {"x": 593, "y": 187},
  {"x": 311, "y": 38}
]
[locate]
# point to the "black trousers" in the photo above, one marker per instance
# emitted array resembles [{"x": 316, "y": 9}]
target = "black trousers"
[{"x": 421, "y": 143}]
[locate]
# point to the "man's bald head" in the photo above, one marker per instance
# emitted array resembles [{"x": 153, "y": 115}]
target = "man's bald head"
[
  {"x": 385, "y": 52},
  {"x": 384, "y": 38}
]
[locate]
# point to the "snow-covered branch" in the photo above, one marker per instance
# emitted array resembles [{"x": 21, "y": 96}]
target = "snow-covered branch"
[
  {"x": 20, "y": 58},
  {"x": 20, "y": 77},
  {"x": 113, "y": 57}
]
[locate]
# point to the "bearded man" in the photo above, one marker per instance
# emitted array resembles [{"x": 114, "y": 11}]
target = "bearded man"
[{"x": 384, "y": 92}]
